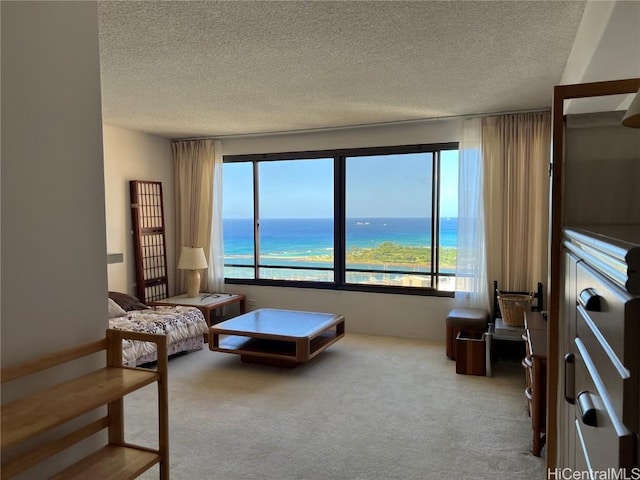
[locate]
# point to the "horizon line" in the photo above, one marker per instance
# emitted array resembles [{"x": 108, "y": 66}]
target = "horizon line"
[{"x": 328, "y": 218}]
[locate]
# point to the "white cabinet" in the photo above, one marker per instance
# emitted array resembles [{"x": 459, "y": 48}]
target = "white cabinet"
[{"x": 602, "y": 335}]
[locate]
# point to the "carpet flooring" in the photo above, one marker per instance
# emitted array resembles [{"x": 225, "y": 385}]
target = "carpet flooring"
[{"x": 369, "y": 408}]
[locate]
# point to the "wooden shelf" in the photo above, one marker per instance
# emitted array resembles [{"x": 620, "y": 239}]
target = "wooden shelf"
[
  {"x": 111, "y": 461},
  {"x": 267, "y": 347},
  {"x": 54, "y": 406},
  {"x": 43, "y": 411},
  {"x": 253, "y": 346}
]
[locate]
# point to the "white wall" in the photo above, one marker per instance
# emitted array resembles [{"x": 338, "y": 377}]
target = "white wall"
[
  {"x": 606, "y": 47},
  {"x": 607, "y": 43},
  {"x": 358, "y": 137},
  {"x": 54, "y": 274},
  {"x": 602, "y": 171},
  {"x": 53, "y": 222},
  {"x": 372, "y": 313},
  {"x": 409, "y": 316},
  {"x": 132, "y": 155}
]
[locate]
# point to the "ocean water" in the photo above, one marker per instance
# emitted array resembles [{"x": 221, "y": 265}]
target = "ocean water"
[{"x": 296, "y": 238}]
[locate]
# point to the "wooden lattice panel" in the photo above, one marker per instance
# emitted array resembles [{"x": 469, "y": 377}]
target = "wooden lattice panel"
[{"x": 149, "y": 240}]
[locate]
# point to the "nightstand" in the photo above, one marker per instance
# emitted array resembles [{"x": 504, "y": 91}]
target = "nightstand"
[{"x": 207, "y": 303}]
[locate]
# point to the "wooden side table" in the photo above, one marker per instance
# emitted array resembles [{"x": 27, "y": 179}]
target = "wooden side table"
[{"x": 207, "y": 303}]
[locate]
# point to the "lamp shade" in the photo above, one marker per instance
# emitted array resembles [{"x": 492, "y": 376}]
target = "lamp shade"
[
  {"x": 192, "y": 258},
  {"x": 632, "y": 117}
]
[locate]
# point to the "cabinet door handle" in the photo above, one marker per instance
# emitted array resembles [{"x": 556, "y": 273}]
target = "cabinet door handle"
[
  {"x": 587, "y": 409},
  {"x": 590, "y": 300},
  {"x": 569, "y": 379},
  {"x": 528, "y": 393}
]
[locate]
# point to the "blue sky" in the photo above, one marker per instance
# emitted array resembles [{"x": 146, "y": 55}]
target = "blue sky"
[{"x": 377, "y": 186}]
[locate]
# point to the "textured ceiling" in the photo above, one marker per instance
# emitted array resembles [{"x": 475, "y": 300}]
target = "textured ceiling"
[{"x": 215, "y": 68}]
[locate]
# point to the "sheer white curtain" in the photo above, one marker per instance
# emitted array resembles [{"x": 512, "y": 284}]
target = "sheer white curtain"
[
  {"x": 197, "y": 168},
  {"x": 216, "y": 251},
  {"x": 471, "y": 261}
]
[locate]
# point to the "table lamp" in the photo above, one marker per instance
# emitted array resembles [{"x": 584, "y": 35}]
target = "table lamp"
[{"x": 192, "y": 259}]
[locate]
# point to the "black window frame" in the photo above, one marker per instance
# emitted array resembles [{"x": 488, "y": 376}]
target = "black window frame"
[{"x": 339, "y": 157}]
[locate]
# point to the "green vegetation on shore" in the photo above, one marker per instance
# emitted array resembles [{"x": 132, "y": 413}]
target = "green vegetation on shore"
[
  {"x": 389, "y": 252},
  {"x": 393, "y": 253}
]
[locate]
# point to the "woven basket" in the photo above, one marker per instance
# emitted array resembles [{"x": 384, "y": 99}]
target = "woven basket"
[{"x": 513, "y": 306}]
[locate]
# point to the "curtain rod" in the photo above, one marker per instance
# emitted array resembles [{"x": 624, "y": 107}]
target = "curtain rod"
[{"x": 362, "y": 125}]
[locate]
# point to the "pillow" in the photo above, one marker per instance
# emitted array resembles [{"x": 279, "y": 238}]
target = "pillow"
[
  {"x": 127, "y": 302},
  {"x": 115, "y": 310}
]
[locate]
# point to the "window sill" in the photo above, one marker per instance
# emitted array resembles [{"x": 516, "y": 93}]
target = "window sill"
[{"x": 425, "y": 292}]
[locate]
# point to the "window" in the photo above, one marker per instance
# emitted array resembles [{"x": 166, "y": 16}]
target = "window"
[{"x": 376, "y": 219}]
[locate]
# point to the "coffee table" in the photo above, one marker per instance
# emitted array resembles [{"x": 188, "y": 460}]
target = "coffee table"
[{"x": 277, "y": 337}]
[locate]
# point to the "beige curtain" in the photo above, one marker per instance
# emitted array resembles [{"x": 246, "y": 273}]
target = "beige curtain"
[
  {"x": 517, "y": 152},
  {"x": 194, "y": 164}
]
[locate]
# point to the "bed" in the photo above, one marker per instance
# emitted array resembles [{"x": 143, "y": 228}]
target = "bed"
[{"x": 184, "y": 327}]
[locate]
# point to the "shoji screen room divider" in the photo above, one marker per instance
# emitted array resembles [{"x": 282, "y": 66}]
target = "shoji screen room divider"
[{"x": 149, "y": 240}]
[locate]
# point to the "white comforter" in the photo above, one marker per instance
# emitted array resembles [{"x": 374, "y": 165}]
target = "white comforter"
[{"x": 178, "y": 323}]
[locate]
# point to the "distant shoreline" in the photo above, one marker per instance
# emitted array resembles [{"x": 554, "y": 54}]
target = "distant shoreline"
[{"x": 420, "y": 256}]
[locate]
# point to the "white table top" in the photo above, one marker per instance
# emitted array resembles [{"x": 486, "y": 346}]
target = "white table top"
[
  {"x": 202, "y": 300},
  {"x": 278, "y": 323}
]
